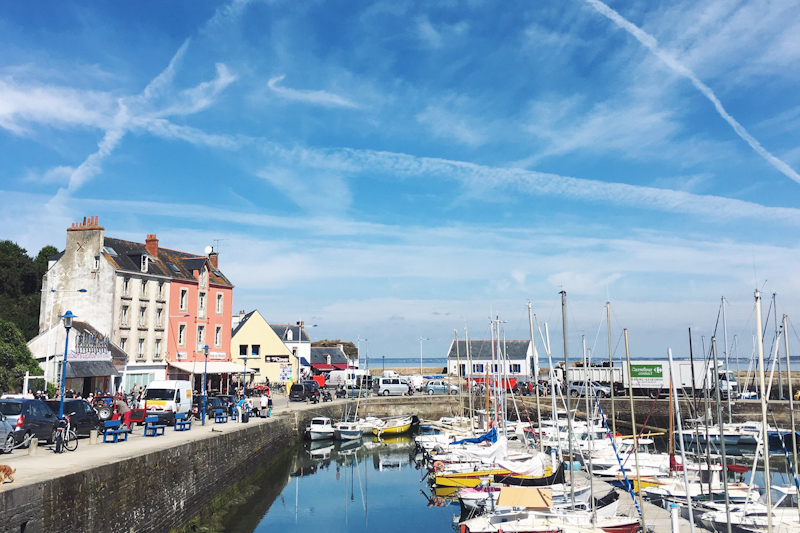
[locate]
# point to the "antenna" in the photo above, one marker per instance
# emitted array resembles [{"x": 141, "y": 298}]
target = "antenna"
[{"x": 216, "y": 243}]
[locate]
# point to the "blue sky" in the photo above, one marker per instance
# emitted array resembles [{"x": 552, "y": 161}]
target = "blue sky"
[{"x": 397, "y": 170}]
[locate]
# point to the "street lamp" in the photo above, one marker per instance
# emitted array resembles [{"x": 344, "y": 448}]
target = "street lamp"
[
  {"x": 205, "y": 390},
  {"x": 68, "y": 316},
  {"x": 50, "y": 323},
  {"x": 420, "y": 353}
]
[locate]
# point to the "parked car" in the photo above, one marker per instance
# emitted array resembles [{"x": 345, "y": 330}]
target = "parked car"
[
  {"x": 311, "y": 389},
  {"x": 297, "y": 393},
  {"x": 440, "y": 386},
  {"x": 85, "y": 418},
  {"x": 579, "y": 388},
  {"x": 228, "y": 402},
  {"x": 390, "y": 386},
  {"x": 7, "y": 438},
  {"x": 30, "y": 418},
  {"x": 212, "y": 404}
]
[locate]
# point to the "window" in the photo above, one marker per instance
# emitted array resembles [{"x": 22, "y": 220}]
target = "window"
[
  {"x": 181, "y": 334},
  {"x": 144, "y": 287},
  {"x": 201, "y": 335},
  {"x": 124, "y": 315},
  {"x": 159, "y": 312},
  {"x": 255, "y": 350},
  {"x": 184, "y": 297},
  {"x": 142, "y": 315},
  {"x": 494, "y": 369},
  {"x": 140, "y": 351},
  {"x": 157, "y": 353},
  {"x": 126, "y": 286},
  {"x": 97, "y": 262},
  {"x": 219, "y": 303},
  {"x": 289, "y": 334},
  {"x": 203, "y": 277},
  {"x": 160, "y": 290},
  {"x": 218, "y": 336},
  {"x": 145, "y": 262},
  {"x": 201, "y": 305},
  {"x": 477, "y": 368},
  {"x": 122, "y": 342},
  {"x": 516, "y": 369},
  {"x": 242, "y": 349}
]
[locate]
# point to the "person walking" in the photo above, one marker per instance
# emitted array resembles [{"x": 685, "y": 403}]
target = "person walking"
[
  {"x": 264, "y": 403},
  {"x": 124, "y": 411}
]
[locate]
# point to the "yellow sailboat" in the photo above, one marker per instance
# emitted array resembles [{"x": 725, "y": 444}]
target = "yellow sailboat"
[{"x": 392, "y": 426}]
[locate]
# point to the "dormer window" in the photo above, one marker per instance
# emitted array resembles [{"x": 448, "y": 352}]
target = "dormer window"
[
  {"x": 204, "y": 277},
  {"x": 289, "y": 335},
  {"x": 145, "y": 262}
]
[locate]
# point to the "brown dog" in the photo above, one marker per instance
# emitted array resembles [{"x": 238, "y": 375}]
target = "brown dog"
[{"x": 6, "y": 473}]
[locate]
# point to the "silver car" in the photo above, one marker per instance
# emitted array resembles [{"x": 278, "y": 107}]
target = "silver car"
[
  {"x": 440, "y": 386},
  {"x": 579, "y": 388},
  {"x": 7, "y": 440}
]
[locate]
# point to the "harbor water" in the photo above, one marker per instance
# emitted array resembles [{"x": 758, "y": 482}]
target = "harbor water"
[{"x": 365, "y": 485}]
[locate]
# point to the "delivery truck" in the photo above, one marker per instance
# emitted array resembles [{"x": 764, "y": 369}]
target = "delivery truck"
[{"x": 652, "y": 378}]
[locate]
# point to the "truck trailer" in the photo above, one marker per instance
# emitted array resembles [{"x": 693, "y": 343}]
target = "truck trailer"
[{"x": 652, "y": 378}]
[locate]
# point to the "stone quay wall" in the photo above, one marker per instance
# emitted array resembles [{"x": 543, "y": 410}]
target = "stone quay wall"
[
  {"x": 156, "y": 492},
  {"x": 163, "y": 490}
]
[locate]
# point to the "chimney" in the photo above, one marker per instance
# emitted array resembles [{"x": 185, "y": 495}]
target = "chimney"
[
  {"x": 213, "y": 258},
  {"x": 89, "y": 223},
  {"x": 152, "y": 245}
]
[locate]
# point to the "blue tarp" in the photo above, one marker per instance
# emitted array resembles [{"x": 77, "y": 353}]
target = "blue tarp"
[{"x": 491, "y": 436}]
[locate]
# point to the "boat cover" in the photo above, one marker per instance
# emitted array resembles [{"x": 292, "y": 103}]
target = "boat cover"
[
  {"x": 490, "y": 436},
  {"x": 533, "y": 498},
  {"x": 532, "y": 467}
]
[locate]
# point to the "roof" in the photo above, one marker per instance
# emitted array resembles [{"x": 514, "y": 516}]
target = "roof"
[
  {"x": 214, "y": 367},
  {"x": 319, "y": 355},
  {"x": 127, "y": 256},
  {"x": 282, "y": 331},
  {"x": 242, "y": 322},
  {"x": 483, "y": 349}
]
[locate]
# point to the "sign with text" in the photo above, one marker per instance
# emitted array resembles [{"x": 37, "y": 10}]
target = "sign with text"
[
  {"x": 276, "y": 358},
  {"x": 89, "y": 347},
  {"x": 643, "y": 375}
]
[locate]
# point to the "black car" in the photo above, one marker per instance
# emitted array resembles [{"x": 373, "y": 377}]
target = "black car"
[
  {"x": 297, "y": 393},
  {"x": 30, "y": 418},
  {"x": 85, "y": 418},
  {"x": 228, "y": 402},
  {"x": 212, "y": 404}
]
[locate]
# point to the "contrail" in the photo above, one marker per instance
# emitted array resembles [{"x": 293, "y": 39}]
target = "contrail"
[{"x": 651, "y": 44}]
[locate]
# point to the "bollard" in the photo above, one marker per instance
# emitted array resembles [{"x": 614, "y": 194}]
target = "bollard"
[
  {"x": 93, "y": 436},
  {"x": 34, "y": 446},
  {"x": 673, "y": 514}
]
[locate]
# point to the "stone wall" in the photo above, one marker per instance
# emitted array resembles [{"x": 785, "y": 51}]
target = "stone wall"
[{"x": 156, "y": 492}]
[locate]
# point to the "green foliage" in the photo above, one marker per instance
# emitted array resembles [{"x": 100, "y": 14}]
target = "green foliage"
[
  {"x": 21, "y": 285},
  {"x": 15, "y": 358},
  {"x": 350, "y": 349}
]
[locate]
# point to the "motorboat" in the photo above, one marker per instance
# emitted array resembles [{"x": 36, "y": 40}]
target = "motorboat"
[
  {"x": 392, "y": 426},
  {"x": 320, "y": 428}
]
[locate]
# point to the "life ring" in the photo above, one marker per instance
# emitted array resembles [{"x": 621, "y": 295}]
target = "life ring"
[{"x": 438, "y": 466}]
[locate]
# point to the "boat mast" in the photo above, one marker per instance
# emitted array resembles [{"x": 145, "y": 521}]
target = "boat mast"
[
  {"x": 633, "y": 425},
  {"x": 471, "y": 389},
  {"x": 569, "y": 410},
  {"x": 777, "y": 351},
  {"x": 791, "y": 400},
  {"x": 589, "y": 431},
  {"x": 762, "y": 391},
  {"x": 611, "y": 369},
  {"x": 724, "y": 471},
  {"x": 536, "y": 378},
  {"x": 674, "y": 391},
  {"x": 458, "y": 373},
  {"x": 727, "y": 363}
]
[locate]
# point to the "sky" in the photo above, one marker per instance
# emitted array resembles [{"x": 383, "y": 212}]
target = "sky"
[{"x": 396, "y": 171}]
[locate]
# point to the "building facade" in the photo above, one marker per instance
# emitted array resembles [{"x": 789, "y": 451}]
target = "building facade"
[
  {"x": 158, "y": 305},
  {"x": 478, "y": 360},
  {"x": 270, "y": 359}
]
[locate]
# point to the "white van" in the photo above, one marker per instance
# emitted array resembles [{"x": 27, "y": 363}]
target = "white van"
[
  {"x": 165, "y": 398},
  {"x": 390, "y": 386},
  {"x": 390, "y": 374},
  {"x": 352, "y": 377}
]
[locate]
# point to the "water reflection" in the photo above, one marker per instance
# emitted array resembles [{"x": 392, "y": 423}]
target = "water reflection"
[{"x": 351, "y": 486}]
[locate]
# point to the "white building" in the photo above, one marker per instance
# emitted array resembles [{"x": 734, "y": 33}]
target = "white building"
[{"x": 516, "y": 359}]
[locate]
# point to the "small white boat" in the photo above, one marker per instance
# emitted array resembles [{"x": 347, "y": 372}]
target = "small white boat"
[
  {"x": 321, "y": 428},
  {"x": 352, "y": 430}
]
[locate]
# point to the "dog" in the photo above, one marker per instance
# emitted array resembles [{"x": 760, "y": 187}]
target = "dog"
[{"x": 6, "y": 473}]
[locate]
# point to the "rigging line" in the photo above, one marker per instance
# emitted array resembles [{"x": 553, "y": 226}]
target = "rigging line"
[
  {"x": 599, "y": 327},
  {"x": 619, "y": 340},
  {"x": 794, "y": 330},
  {"x": 719, "y": 314}
]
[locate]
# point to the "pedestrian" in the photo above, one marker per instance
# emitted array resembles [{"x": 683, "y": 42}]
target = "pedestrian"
[
  {"x": 269, "y": 405},
  {"x": 123, "y": 411},
  {"x": 264, "y": 402}
]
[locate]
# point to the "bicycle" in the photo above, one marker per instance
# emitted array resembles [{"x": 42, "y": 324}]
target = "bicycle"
[{"x": 66, "y": 438}]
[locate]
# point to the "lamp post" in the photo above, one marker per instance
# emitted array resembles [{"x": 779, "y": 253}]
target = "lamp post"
[
  {"x": 68, "y": 316},
  {"x": 420, "y": 353},
  {"x": 50, "y": 323},
  {"x": 205, "y": 389}
]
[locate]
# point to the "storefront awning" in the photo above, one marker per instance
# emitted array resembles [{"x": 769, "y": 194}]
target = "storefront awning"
[
  {"x": 304, "y": 361},
  {"x": 324, "y": 367},
  {"x": 90, "y": 369},
  {"x": 340, "y": 366},
  {"x": 214, "y": 367}
]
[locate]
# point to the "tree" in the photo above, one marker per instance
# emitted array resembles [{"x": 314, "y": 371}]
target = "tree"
[
  {"x": 21, "y": 285},
  {"x": 349, "y": 348},
  {"x": 15, "y": 358}
]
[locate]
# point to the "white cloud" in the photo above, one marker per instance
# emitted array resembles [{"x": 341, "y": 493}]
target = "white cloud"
[
  {"x": 448, "y": 125},
  {"x": 322, "y": 98},
  {"x": 651, "y": 44}
]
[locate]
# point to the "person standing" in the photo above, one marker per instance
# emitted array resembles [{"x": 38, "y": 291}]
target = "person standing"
[
  {"x": 264, "y": 403},
  {"x": 269, "y": 404},
  {"x": 124, "y": 411}
]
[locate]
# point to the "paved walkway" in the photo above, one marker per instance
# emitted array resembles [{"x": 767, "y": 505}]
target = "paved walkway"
[{"x": 47, "y": 464}]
